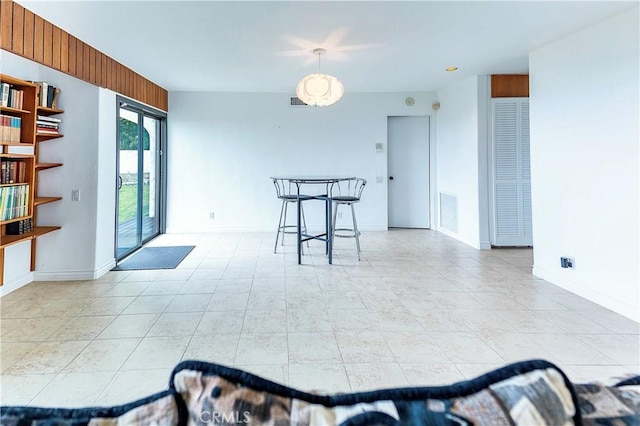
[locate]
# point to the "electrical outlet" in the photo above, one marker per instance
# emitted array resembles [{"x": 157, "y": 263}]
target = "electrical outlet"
[
  {"x": 211, "y": 216},
  {"x": 379, "y": 179},
  {"x": 379, "y": 147},
  {"x": 75, "y": 195},
  {"x": 566, "y": 262},
  {"x": 339, "y": 215}
]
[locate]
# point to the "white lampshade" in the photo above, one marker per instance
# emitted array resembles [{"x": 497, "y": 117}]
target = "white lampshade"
[{"x": 319, "y": 89}]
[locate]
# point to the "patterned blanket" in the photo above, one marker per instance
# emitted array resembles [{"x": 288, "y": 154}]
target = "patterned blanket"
[{"x": 532, "y": 392}]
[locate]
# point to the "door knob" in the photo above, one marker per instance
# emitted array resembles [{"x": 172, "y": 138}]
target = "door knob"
[
  {"x": 390, "y": 177},
  {"x": 119, "y": 182}
]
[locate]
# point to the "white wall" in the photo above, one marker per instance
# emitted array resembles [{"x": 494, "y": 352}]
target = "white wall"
[
  {"x": 68, "y": 253},
  {"x": 223, "y": 147},
  {"x": 106, "y": 183},
  {"x": 462, "y": 124},
  {"x": 584, "y": 162},
  {"x": 74, "y": 251},
  {"x": 484, "y": 117}
]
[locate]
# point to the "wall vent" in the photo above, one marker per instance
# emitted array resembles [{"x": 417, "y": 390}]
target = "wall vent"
[
  {"x": 449, "y": 212},
  {"x": 297, "y": 102}
]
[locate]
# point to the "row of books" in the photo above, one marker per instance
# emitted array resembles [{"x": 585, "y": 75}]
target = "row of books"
[
  {"x": 47, "y": 125},
  {"x": 12, "y": 171},
  {"x": 20, "y": 227},
  {"x": 47, "y": 94},
  {"x": 14, "y": 202},
  {"x": 9, "y": 128},
  {"x": 10, "y": 96}
]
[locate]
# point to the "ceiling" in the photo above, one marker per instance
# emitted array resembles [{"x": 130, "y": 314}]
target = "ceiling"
[{"x": 372, "y": 46}]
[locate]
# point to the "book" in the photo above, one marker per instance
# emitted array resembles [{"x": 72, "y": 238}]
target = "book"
[
  {"x": 12, "y": 172},
  {"x": 3, "y": 201},
  {"x": 16, "y": 126},
  {"x": 44, "y": 93},
  {"x": 14, "y": 202},
  {"x": 6, "y": 214},
  {"x": 19, "y": 208},
  {"x": 54, "y": 101},
  {"x": 9, "y": 128},
  {"x": 4, "y": 99},
  {"x": 21, "y": 227},
  {"x": 21, "y": 173},
  {"x": 47, "y": 131},
  {"x": 47, "y": 118},
  {"x": 47, "y": 124},
  {"x": 3, "y": 123},
  {"x": 15, "y": 98},
  {"x": 24, "y": 201},
  {"x": 3, "y": 129},
  {"x": 50, "y": 91}
]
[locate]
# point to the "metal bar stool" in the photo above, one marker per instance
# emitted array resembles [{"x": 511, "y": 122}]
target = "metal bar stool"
[
  {"x": 287, "y": 192},
  {"x": 347, "y": 192}
]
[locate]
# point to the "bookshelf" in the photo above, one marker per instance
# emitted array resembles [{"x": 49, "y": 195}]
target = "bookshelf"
[{"x": 24, "y": 125}]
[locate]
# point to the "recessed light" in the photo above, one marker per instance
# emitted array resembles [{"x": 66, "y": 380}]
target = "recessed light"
[{"x": 450, "y": 69}]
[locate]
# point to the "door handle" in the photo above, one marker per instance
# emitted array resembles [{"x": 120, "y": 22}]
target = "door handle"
[
  {"x": 119, "y": 182},
  {"x": 390, "y": 177}
]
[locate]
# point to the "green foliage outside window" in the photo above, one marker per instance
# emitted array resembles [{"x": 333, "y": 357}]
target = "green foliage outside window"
[{"x": 129, "y": 136}]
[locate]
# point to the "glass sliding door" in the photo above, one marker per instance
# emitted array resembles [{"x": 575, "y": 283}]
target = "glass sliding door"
[
  {"x": 139, "y": 177},
  {"x": 150, "y": 175}
]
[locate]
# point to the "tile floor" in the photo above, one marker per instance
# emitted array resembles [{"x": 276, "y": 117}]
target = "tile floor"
[{"x": 419, "y": 309}]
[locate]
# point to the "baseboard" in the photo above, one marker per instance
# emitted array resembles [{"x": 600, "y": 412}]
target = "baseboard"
[
  {"x": 104, "y": 269},
  {"x": 15, "y": 284},
  {"x": 373, "y": 228},
  {"x": 63, "y": 275},
  {"x": 616, "y": 305},
  {"x": 475, "y": 244},
  {"x": 201, "y": 230},
  {"x": 212, "y": 229},
  {"x": 485, "y": 245},
  {"x": 56, "y": 276}
]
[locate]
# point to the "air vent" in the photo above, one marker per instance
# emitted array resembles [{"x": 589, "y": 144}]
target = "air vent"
[
  {"x": 297, "y": 102},
  {"x": 449, "y": 212}
]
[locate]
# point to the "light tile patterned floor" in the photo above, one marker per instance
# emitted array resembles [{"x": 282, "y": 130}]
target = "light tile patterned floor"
[{"x": 419, "y": 309}]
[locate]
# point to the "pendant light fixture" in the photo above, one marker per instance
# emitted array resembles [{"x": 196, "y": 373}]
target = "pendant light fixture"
[{"x": 319, "y": 89}]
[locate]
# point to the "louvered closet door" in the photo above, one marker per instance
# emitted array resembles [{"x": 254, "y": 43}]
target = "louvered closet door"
[{"x": 511, "y": 173}]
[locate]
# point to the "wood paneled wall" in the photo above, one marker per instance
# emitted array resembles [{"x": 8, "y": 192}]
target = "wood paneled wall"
[
  {"x": 28, "y": 35},
  {"x": 510, "y": 86}
]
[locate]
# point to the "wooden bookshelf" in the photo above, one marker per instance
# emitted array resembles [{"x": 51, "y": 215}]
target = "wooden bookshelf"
[
  {"x": 42, "y": 137},
  {"x": 14, "y": 144},
  {"x": 26, "y": 107},
  {"x": 45, "y": 200},
  {"x": 45, "y": 166},
  {"x": 9, "y": 240},
  {"x": 14, "y": 110},
  {"x": 4, "y": 222},
  {"x": 49, "y": 111},
  {"x": 18, "y": 156},
  {"x": 26, "y": 111}
]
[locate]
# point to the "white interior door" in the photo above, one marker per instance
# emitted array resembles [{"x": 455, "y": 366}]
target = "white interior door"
[
  {"x": 408, "y": 171},
  {"x": 511, "y": 173}
]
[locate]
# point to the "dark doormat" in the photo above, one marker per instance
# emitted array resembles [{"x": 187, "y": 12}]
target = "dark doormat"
[{"x": 155, "y": 258}]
